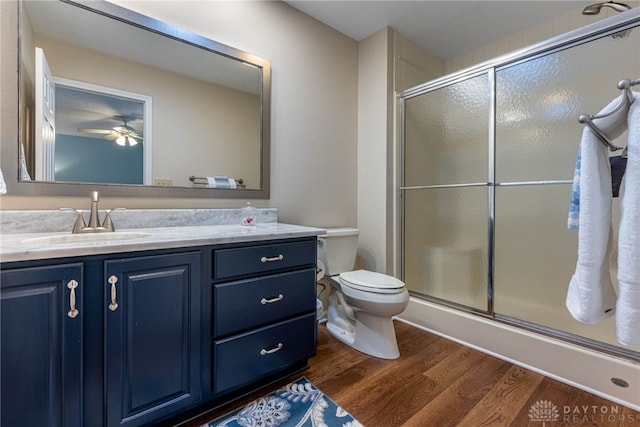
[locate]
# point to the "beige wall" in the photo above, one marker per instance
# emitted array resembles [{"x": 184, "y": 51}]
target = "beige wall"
[
  {"x": 547, "y": 29},
  {"x": 313, "y": 109},
  {"x": 413, "y": 65},
  {"x": 387, "y": 64},
  {"x": 313, "y": 103},
  {"x": 373, "y": 88}
]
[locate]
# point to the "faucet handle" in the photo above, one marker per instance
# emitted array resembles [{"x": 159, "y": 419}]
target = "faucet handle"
[
  {"x": 107, "y": 223},
  {"x": 80, "y": 223}
]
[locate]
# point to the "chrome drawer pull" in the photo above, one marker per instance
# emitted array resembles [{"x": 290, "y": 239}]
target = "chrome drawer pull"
[
  {"x": 264, "y": 301},
  {"x": 275, "y": 258},
  {"x": 114, "y": 305},
  {"x": 264, "y": 352},
  {"x": 73, "y": 312}
]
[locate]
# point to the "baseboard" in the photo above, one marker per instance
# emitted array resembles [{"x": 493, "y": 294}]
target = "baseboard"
[{"x": 582, "y": 368}]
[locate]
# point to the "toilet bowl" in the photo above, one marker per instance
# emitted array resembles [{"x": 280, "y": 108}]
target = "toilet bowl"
[
  {"x": 361, "y": 306},
  {"x": 361, "y": 303}
]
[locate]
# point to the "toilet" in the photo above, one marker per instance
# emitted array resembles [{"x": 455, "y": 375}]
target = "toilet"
[{"x": 361, "y": 303}]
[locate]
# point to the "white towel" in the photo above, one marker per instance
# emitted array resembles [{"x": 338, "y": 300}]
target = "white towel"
[
  {"x": 591, "y": 296},
  {"x": 221, "y": 182},
  {"x": 628, "y": 305},
  {"x": 613, "y": 126}
]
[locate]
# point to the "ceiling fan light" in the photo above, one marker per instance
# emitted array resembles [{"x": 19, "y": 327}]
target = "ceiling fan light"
[
  {"x": 121, "y": 141},
  {"x": 132, "y": 141}
]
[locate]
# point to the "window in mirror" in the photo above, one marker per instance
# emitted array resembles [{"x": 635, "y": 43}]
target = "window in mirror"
[{"x": 101, "y": 137}]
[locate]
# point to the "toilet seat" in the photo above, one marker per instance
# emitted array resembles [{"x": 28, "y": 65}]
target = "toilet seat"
[{"x": 369, "y": 281}]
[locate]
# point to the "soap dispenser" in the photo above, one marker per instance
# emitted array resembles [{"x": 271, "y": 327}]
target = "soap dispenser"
[{"x": 249, "y": 215}]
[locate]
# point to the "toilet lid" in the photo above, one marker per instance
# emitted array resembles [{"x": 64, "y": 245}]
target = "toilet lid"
[{"x": 372, "y": 282}]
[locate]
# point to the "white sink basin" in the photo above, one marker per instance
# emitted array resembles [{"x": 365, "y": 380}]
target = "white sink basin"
[{"x": 87, "y": 238}]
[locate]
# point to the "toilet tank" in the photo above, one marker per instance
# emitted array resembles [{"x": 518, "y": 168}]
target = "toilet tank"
[{"x": 337, "y": 250}]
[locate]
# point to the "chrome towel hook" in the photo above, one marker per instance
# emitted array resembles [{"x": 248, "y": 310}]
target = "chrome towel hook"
[{"x": 627, "y": 99}]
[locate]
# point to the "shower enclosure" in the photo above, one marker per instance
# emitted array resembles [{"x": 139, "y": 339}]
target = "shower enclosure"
[{"x": 488, "y": 156}]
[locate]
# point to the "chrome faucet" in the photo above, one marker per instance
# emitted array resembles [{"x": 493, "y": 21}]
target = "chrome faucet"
[{"x": 94, "y": 226}]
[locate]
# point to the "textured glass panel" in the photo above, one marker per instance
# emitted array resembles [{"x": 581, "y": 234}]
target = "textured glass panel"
[
  {"x": 445, "y": 244},
  {"x": 446, "y": 134},
  {"x": 535, "y": 257},
  {"x": 538, "y": 103}
]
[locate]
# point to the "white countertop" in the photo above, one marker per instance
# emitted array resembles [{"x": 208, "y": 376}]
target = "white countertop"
[{"x": 21, "y": 247}]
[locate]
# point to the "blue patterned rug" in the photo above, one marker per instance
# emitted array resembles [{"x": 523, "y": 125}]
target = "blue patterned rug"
[{"x": 295, "y": 405}]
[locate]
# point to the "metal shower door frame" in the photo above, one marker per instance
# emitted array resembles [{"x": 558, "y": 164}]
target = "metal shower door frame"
[{"x": 606, "y": 27}]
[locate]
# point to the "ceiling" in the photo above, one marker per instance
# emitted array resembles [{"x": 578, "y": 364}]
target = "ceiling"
[{"x": 443, "y": 28}]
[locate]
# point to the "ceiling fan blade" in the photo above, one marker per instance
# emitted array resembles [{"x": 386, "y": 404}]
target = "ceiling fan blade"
[
  {"x": 112, "y": 136},
  {"x": 97, "y": 131}
]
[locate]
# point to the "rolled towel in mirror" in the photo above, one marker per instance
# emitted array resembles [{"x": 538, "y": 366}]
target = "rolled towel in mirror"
[
  {"x": 3, "y": 185},
  {"x": 221, "y": 182}
]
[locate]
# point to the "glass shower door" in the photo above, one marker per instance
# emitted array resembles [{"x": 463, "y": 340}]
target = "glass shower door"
[
  {"x": 538, "y": 102},
  {"x": 445, "y": 196},
  {"x": 488, "y": 161}
]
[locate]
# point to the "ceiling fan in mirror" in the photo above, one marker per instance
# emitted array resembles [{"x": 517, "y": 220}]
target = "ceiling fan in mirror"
[{"x": 124, "y": 134}]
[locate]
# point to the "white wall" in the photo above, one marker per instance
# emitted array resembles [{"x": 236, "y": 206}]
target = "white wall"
[{"x": 313, "y": 108}]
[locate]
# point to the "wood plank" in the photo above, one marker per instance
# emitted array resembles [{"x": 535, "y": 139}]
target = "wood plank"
[
  {"x": 496, "y": 407},
  {"x": 456, "y": 400},
  {"x": 551, "y": 393},
  {"x": 369, "y": 371},
  {"x": 406, "y": 390}
]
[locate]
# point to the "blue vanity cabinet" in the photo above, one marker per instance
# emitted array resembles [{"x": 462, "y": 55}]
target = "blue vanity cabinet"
[
  {"x": 264, "y": 322},
  {"x": 41, "y": 323},
  {"x": 152, "y": 337}
]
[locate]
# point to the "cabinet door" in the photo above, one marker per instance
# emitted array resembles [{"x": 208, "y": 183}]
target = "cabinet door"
[
  {"x": 41, "y": 359},
  {"x": 152, "y": 354}
]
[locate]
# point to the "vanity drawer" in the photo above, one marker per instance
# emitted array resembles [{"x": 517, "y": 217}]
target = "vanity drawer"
[
  {"x": 245, "y": 304},
  {"x": 251, "y": 260},
  {"x": 246, "y": 358}
]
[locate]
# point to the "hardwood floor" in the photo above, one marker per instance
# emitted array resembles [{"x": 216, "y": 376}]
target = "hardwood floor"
[{"x": 438, "y": 383}]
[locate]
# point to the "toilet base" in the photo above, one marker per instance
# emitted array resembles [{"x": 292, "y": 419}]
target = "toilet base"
[{"x": 372, "y": 335}]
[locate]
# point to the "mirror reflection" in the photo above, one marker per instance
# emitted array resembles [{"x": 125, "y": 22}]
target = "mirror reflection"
[
  {"x": 111, "y": 103},
  {"x": 112, "y": 150}
]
